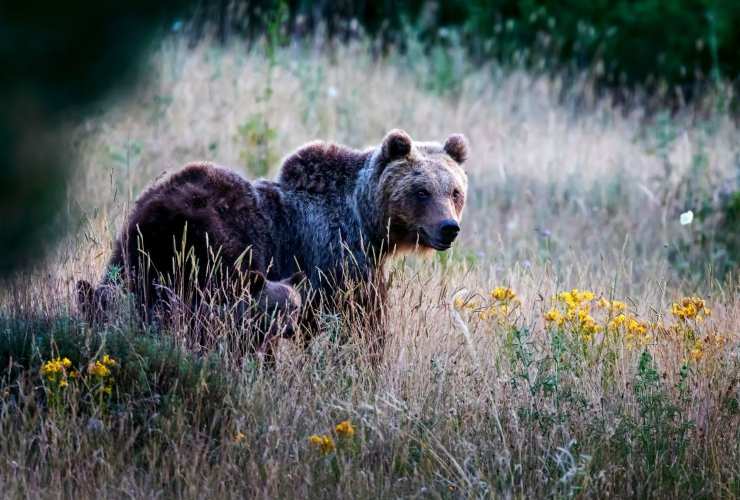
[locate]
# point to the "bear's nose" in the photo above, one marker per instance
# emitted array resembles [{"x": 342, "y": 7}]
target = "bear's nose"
[{"x": 448, "y": 230}]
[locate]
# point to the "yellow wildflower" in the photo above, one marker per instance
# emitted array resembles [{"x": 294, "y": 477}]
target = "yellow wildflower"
[
  {"x": 55, "y": 371},
  {"x": 568, "y": 298},
  {"x": 636, "y": 335},
  {"x": 108, "y": 361},
  {"x": 239, "y": 437},
  {"x": 56, "y": 365},
  {"x": 324, "y": 443},
  {"x": 636, "y": 327},
  {"x": 345, "y": 429},
  {"x": 503, "y": 294},
  {"x": 618, "y": 321},
  {"x": 690, "y": 308},
  {"x": 554, "y": 316},
  {"x": 574, "y": 301},
  {"x": 588, "y": 326},
  {"x": 635, "y": 331},
  {"x": 98, "y": 369}
]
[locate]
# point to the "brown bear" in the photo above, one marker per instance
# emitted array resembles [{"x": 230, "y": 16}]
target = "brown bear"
[{"x": 334, "y": 213}]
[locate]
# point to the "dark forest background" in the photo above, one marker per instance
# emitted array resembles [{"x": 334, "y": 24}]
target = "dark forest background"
[{"x": 634, "y": 42}]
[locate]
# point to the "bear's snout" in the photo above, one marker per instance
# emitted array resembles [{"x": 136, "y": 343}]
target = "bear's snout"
[{"x": 448, "y": 231}]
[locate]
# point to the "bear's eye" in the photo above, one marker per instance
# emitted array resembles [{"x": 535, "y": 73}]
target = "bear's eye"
[{"x": 422, "y": 194}]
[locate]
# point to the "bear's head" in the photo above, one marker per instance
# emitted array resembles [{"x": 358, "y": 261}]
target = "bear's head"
[
  {"x": 421, "y": 190},
  {"x": 278, "y": 303}
]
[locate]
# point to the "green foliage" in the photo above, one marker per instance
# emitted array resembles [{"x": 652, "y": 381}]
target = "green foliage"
[
  {"x": 151, "y": 367},
  {"x": 657, "y": 440},
  {"x": 635, "y": 42},
  {"x": 547, "y": 379}
]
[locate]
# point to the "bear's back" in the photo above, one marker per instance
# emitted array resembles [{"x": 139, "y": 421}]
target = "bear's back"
[
  {"x": 219, "y": 208},
  {"x": 322, "y": 168}
]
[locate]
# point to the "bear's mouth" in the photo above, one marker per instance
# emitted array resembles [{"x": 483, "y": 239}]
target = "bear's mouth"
[
  {"x": 410, "y": 236},
  {"x": 423, "y": 239}
]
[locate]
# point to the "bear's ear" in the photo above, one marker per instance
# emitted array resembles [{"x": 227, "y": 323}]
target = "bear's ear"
[
  {"x": 397, "y": 144},
  {"x": 296, "y": 279},
  {"x": 257, "y": 282},
  {"x": 456, "y": 146}
]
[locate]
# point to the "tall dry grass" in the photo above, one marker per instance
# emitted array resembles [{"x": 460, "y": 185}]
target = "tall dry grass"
[{"x": 567, "y": 189}]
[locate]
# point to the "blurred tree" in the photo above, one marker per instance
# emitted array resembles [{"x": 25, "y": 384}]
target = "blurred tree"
[{"x": 57, "y": 59}]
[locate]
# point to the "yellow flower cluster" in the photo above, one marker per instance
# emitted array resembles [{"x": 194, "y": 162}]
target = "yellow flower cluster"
[
  {"x": 98, "y": 369},
  {"x": 503, "y": 302},
  {"x": 555, "y": 317},
  {"x": 57, "y": 370},
  {"x": 101, "y": 371},
  {"x": 324, "y": 443},
  {"x": 577, "y": 313},
  {"x": 345, "y": 429},
  {"x": 690, "y": 308},
  {"x": 588, "y": 325},
  {"x": 56, "y": 365},
  {"x": 583, "y": 314},
  {"x": 574, "y": 309},
  {"x": 636, "y": 332},
  {"x": 575, "y": 298},
  {"x": 503, "y": 294}
]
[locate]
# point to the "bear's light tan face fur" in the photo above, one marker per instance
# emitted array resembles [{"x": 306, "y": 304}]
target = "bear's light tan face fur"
[{"x": 424, "y": 196}]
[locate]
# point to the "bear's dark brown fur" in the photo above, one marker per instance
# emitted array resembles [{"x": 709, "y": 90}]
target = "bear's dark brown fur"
[
  {"x": 212, "y": 209},
  {"x": 334, "y": 213}
]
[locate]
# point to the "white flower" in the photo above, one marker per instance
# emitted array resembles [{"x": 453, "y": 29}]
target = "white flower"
[{"x": 687, "y": 218}]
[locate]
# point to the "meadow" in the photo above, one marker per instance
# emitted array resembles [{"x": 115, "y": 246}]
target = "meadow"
[{"x": 578, "y": 341}]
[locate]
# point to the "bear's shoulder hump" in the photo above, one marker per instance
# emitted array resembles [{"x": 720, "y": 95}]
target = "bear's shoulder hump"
[{"x": 321, "y": 167}]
